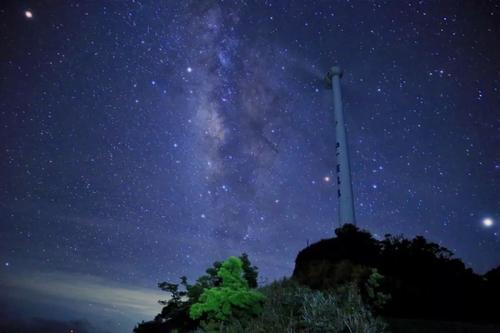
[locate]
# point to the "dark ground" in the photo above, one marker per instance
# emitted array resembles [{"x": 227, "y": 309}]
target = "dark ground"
[{"x": 427, "y": 326}]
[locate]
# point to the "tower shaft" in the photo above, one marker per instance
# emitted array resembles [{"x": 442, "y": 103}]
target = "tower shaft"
[{"x": 343, "y": 168}]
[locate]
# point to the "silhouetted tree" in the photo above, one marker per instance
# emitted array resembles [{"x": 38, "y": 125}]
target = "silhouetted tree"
[{"x": 250, "y": 272}]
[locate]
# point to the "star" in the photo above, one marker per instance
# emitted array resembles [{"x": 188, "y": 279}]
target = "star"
[
  {"x": 28, "y": 14},
  {"x": 488, "y": 222}
]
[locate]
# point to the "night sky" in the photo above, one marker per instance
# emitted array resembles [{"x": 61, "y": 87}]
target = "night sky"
[{"x": 143, "y": 140}]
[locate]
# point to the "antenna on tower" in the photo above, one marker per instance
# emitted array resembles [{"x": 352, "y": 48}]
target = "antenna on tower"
[{"x": 343, "y": 168}]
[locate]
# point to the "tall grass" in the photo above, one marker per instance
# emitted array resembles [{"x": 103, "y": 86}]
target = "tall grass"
[{"x": 291, "y": 308}]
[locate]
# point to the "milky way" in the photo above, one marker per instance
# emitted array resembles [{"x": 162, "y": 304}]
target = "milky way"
[{"x": 142, "y": 140}]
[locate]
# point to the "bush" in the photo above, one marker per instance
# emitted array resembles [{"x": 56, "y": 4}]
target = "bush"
[
  {"x": 231, "y": 301},
  {"x": 282, "y": 308},
  {"x": 343, "y": 311},
  {"x": 290, "y": 307},
  {"x": 175, "y": 314}
]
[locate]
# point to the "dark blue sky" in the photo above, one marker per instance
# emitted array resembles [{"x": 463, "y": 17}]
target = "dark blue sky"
[{"x": 142, "y": 140}]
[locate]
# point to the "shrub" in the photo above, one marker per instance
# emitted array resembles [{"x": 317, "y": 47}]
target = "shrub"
[
  {"x": 339, "y": 312},
  {"x": 231, "y": 301},
  {"x": 292, "y": 308},
  {"x": 175, "y": 313}
]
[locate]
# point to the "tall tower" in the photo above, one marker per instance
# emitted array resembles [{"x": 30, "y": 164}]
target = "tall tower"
[{"x": 344, "y": 192}]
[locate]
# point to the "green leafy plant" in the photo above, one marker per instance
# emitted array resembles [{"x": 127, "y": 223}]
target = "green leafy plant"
[
  {"x": 372, "y": 286},
  {"x": 232, "y": 300},
  {"x": 175, "y": 312}
]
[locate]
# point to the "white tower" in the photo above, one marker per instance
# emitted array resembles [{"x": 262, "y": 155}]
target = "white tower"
[{"x": 346, "y": 198}]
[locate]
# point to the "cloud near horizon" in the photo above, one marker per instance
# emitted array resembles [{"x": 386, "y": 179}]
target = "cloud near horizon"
[{"x": 100, "y": 300}]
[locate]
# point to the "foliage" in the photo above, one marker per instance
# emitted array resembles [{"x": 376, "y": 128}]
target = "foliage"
[
  {"x": 290, "y": 307},
  {"x": 229, "y": 305},
  {"x": 281, "y": 310},
  {"x": 231, "y": 300},
  {"x": 339, "y": 285},
  {"x": 353, "y": 253},
  {"x": 423, "y": 279},
  {"x": 375, "y": 296},
  {"x": 249, "y": 272},
  {"x": 342, "y": 311},
  {"x": 175, "y": 313}
]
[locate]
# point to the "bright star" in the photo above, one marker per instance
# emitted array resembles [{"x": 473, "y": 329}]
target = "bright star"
[
  {"x": 28, "y": 14},
  {"x": 488, "y": 222},
  {"x": 327, "y": 179},
  {"x": 189, "y": 69}
]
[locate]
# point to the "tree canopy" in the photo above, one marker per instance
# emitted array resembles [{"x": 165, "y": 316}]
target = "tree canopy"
[
  {"x": 175, "y": 312},
  {"x": 230, "y": 301}
]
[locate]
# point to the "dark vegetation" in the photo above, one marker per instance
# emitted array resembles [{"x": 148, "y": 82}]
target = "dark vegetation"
[
  {"x": 175, "y": 315},
  {"x": 422, "y": 278},
  {"x": 345, "y": 284}
]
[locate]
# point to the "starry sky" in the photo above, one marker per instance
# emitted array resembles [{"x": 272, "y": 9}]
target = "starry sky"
[{"x": 143, "y": 140}]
